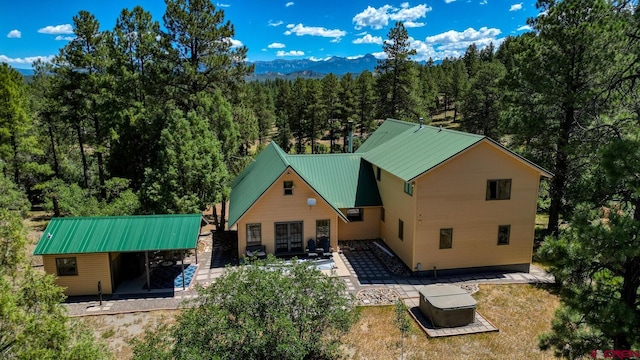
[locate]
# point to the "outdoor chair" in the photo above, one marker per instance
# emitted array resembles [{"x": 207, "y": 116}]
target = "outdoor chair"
[
  {"x": 259, "y": 251},
  {"x": 311, "y": 249},
  {"x": 327, "y": 250}
]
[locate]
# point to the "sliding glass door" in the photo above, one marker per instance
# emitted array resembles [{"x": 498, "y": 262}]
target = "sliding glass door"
[{"x": 289, "y": 237}]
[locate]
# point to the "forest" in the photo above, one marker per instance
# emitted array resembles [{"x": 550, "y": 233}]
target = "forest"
[{"x": 144, "y": 119}]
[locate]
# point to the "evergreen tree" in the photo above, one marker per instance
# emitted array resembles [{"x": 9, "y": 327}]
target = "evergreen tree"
[
  {"x": 201, "y": 51},
  {"x": 396, "y": 81},
  {"x": 481, "y": 105},
  {"x": 365, "y": 101}
]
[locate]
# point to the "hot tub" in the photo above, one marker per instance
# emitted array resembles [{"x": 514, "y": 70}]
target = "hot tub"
[{"x": 447, "y": 305}]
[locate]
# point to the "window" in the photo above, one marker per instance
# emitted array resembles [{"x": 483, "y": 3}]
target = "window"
[
  {"x": 322, "y": 229},
  {"x": 354, "y": 214},
  {"x": 254, "y": 234},
  {"x": 382, "y": 214},
  {"x": 499, "y": 189},
  {"x": 446, "y": 238},
  {"x": 503, "y": 234},
  {"x": 400, "y": 229},
  {"x": 408, "y": 188},
  {"x": 378, "y": 173},
  {"x": 66, "y": 266},
  {"x": 288, "y": 187}
]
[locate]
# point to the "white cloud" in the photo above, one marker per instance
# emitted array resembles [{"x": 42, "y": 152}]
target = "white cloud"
[
  {"x": 64, "y": 38},
  {"x": 223, "y": 5},
  {"x": 57, "y": 29},
  {"x": 368, "y": 39},
  {"x": 14, "y": 34},
  {"x": 483, "y": 2},
  {"x": 276, "y": 45},
  {"x": 301, "y": 30},
  {"x": 380, "y": 55},
  {"x": 290, "y": 3},
  {"x": 275, "y": 23},
  {"x": 380, "y": 17},
  {"x": 313, "y": 58},
  {"x": 235, "y": 43},
  {"x": 449, "y": 1},
  {"x": 355, "y": 57},
  {"x": 524, "y": 28},
  {"x": 470, "y": 34},
  {"x": 453, "y": 43},
  {"x": 290, "y": 53},
  {"x": 516, "y": 7},
  {"x": 411, "y": 24},
  {"x": 27, "y": 60}
]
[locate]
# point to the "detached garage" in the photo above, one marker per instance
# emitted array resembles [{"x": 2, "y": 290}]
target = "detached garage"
[{"x": 81, "y": 252}]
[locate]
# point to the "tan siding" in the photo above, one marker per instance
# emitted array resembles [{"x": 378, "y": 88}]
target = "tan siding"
[
  {"x": 454, "y": 196},
  {"x": 275, "y": 207},
  {"x": 91, "y": 269},
  {"x": 397, "y": 205},
  {"x": 368, "y": 228}
]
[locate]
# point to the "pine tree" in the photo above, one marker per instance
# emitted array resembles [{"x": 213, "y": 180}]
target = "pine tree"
[{"x": 396, "y": 81}]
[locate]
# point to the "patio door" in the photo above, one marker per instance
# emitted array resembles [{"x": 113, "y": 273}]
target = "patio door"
[{"x": 289, "y": 237}]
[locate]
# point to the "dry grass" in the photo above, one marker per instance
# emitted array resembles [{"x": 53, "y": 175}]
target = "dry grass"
[
  {"x": 521, "y": 313},
  {"x": 118, "y": 330}
]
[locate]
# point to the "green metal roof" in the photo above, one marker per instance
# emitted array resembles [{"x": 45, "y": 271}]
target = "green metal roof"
[
  {"x": 255, "y": 179},
  {"x": 413, "y": 151},
  {"x": 342, "y": 180},
  {"x": 389, "y": 129},
  {"x": 119, "y": 234}
]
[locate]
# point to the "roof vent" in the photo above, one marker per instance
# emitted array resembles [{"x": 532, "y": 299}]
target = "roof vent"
[
  {"x": 421, "y": 121},
  {"x": 440, "y": 128}
]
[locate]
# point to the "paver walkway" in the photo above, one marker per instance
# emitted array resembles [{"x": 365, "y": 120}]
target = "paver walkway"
[{"x": 361, "y": 270}]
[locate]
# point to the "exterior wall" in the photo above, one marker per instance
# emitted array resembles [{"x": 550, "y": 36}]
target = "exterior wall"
[
  {"x": 368, "y": 228},
  {"x": 454, "y": 196},
  {"x": 91, "y": 269},
  {"x": 398, "y": 205},
  {"x": 275, "y": 207}
]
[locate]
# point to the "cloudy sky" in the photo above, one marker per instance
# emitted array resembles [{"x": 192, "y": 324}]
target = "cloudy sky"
[{"x": 273, "y": 29}]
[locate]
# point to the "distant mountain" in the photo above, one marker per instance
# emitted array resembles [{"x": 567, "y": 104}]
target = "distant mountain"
[
  {"x": 26, "y": 72},
  {"x": 336, "y": 65}
]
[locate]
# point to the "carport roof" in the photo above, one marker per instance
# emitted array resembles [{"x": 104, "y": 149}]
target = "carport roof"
[{"x": 119, "y": 234}]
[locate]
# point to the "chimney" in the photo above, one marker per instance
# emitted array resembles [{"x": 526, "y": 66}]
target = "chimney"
[
  {"x": 350, "y": 127},
  {"x": 421, "y": 121}
]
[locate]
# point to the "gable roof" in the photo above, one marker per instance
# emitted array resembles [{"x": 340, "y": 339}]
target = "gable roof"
[
  {"x": 389, "y": 129},
  {"x": 79, "y": 235},
  {"x": 408, "y": 150},
  {"x": 342, "y": 180}
]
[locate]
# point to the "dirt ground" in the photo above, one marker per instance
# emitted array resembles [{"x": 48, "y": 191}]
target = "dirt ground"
[{"x": 117, "y": 330}]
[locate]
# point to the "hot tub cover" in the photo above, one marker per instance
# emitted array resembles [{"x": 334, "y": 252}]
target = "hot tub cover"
[{"x": 447, "y": 297}]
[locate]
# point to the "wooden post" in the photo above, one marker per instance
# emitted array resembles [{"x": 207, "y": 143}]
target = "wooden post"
[
  {"x": 196, "y": 251},
  {"x": 182, "y": 263},
  {"x": 146, "y": 266}
]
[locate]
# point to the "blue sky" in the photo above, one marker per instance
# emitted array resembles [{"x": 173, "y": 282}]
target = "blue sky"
[{"x": 279, "y": 29}]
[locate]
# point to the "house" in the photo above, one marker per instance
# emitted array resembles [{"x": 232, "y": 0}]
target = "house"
[
  {"x": 82, "y": 251},
  {"x": 440, "y": 199}
]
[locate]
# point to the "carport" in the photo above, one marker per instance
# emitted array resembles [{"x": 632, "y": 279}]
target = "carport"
[{"x": 83, "y": 252}]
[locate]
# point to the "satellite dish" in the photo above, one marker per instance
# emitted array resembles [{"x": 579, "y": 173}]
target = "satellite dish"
[{"x": 311, "y": 202}]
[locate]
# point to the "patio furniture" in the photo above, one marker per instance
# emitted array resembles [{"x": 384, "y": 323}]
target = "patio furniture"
[
  {"x": 259, "y": 251},
  {"x": 327, "y": 250},
  {"x": 311, "y": 249}
]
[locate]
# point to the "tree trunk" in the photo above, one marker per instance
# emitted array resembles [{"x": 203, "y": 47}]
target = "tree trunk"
[
  {"x": 223, "y": 214},
  {"x": 56, "y": 166},
  {"x": 101, "y": 175},
  {"x": 558, "y": 183},
  {"x": 85, "y": 168},
  {"x": 16, "y": 166}
]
